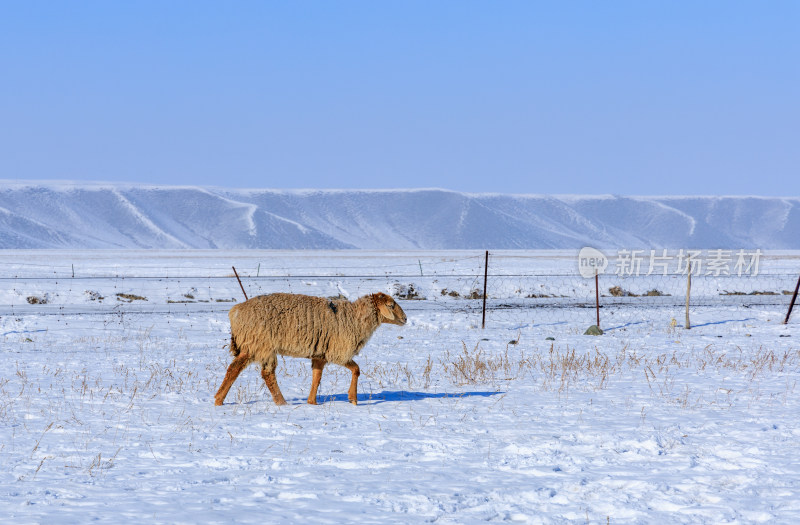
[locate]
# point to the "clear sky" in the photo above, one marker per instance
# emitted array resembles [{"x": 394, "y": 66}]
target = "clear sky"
[{"x": 632, "y": 98}]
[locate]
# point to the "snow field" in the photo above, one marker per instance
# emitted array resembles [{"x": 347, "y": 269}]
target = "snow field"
[{"x": 106, "y": 413}]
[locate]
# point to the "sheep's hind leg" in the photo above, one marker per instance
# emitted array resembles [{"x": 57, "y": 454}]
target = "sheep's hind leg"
[
  {"x": 234, "y": 369},
  {"x": 352, "y": 394},
  {"x": 317, "y": 365},
  {"x": 268, "y": 373}
]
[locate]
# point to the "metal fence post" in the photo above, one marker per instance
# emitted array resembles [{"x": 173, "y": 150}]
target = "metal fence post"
[
  {"x": 485, "y": 276},
  {"x": 794, "y": 298},
  {"x": 688, "y": 293},
  {"x": 597, "y": 296}
]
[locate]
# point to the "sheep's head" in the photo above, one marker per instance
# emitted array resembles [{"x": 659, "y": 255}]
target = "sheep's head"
[{"x": 388, "y": 310}]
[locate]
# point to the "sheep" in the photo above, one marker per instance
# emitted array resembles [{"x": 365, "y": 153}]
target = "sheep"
[{"x": 323, "y": 330}]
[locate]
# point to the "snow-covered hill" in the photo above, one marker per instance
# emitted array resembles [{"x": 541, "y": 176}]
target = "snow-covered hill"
[{"x": 95, "y": 215}]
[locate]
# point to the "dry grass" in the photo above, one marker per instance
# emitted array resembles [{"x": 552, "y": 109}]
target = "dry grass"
[
  {"x": 475, "y": 366},
  {"x": 129, "y": 297},
  {"x": 564, "y": 368},
  {"x": 618, "y": 291}
]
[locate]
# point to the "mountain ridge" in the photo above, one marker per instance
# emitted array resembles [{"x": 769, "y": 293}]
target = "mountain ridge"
[{"x": 88, "y": 215}]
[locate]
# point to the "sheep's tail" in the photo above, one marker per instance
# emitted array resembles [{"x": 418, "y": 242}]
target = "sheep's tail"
[{"x": 234, "y": 348}]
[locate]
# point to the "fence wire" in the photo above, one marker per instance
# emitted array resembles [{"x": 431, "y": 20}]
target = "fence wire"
[{"x": 523, "y": 290}]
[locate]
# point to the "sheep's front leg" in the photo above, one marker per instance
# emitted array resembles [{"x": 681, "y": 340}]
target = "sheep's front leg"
[
  {"x": 234, "y": 369},
  {"x": 317, "y": 365},
  {"x": 268, "y": 373},
  {"x": 352, "y": 394}
]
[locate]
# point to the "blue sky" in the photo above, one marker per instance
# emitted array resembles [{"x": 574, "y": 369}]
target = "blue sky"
[{"x": 631, "y": 98}]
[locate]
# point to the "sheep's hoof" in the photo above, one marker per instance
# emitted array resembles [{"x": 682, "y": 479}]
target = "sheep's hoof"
[
  {"x": 218, "y": 402},
  {"x": 353, "y": 401},
  {"x": 312, "y": 401}
]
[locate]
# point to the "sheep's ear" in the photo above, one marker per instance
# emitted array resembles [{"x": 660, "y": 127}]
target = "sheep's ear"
[{"x": 383, "y": 309}]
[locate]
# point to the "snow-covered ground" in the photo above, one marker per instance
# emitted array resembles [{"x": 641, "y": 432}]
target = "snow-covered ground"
[{"x": 107, "y": 384}]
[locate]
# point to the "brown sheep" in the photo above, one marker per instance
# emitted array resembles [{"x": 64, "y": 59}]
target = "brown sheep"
[{"x": 316, "y": 328}]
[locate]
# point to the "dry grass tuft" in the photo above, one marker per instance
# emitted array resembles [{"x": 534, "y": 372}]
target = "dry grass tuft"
[
  {"x": 561, "y": 369},
  {"x": 470, "y": 367},
  {"x": 129, "y": 297}
]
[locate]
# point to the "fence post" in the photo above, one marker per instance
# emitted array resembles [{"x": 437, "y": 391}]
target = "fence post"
[
  {"x": 485, "y": 276},
  {"x": 794, "y": 298},
  {"x": 597, "y": 296},
  {"x": 240, "y": 282},
  {"x": 688, "y": 293}
]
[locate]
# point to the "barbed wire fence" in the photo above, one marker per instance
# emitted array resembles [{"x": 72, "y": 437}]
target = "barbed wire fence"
[
  {"x": 523, "y": 290},
  {"x": 718, "y": 288}
]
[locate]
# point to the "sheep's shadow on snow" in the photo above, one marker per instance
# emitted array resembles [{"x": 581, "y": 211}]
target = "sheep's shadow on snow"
[
  {"x": 400, "y": 396},
  {"x": 387, "y": 396}
]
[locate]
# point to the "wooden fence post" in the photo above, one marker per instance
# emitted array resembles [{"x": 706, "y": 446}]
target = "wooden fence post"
[
  {"x": 794, "y": 298},
  {"x": 240, "y": 282}
]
